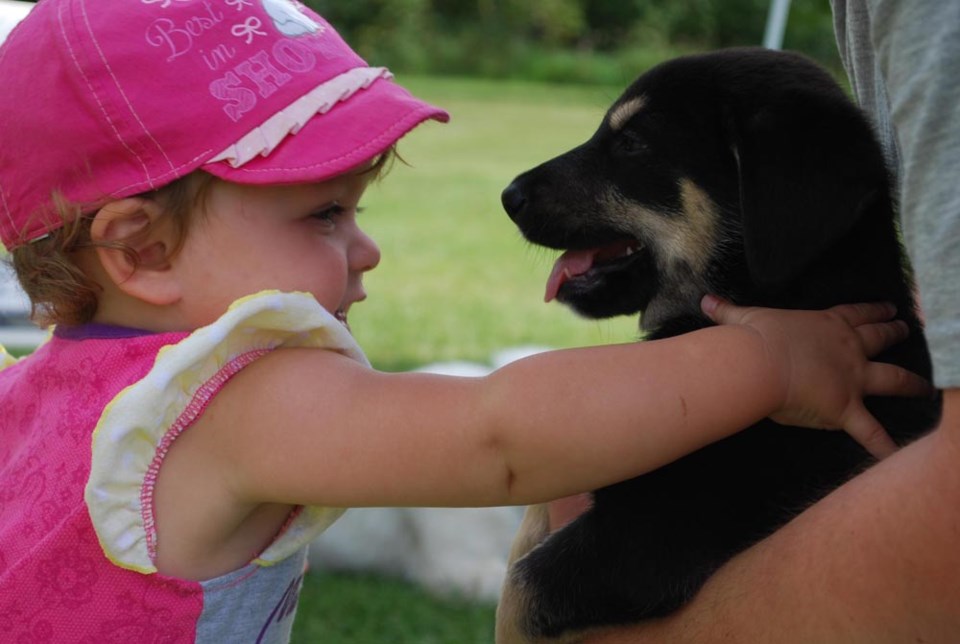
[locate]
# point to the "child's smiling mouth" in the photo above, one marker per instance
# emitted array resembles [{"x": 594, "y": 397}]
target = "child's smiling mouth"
[{"x": 341, "y": 315}]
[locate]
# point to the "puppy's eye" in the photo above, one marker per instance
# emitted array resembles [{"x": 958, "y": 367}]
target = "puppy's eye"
[{"x": 630, "y": 143}]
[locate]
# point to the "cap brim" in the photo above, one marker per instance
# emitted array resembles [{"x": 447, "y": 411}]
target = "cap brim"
[{"x": 350, "y": 134}]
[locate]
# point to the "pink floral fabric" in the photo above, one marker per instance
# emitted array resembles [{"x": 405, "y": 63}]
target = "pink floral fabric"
[
  {"x": 86, "y": 422},
  {"x": 56, "y": 585}
]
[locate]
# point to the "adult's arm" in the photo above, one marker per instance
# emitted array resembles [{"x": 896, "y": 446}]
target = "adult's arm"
[{"x": 876, "y": 561}]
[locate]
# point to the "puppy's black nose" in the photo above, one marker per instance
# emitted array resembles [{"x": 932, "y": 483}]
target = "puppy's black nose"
[{"x": 513, "y": 200}]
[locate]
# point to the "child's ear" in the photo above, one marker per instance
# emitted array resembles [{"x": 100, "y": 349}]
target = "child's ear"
[{"x": 134, "y": 250}]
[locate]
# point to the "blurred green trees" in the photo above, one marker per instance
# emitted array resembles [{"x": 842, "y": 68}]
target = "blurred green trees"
[
  {"x": 582, "y": 41},
  {"x": 599, "y": 41}
]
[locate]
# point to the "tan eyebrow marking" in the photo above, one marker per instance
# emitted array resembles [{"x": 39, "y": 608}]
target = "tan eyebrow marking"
[{"x": 626, "y": 111}]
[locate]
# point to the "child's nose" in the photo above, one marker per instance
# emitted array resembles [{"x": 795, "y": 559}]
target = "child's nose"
[{"x": 365, "y": 253}]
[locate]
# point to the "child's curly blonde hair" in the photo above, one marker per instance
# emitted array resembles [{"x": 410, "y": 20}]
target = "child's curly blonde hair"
[{"x": 61, "y": 292}]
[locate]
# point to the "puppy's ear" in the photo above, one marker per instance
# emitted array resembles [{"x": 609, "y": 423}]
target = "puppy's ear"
[{"x": 807, "y": 168}]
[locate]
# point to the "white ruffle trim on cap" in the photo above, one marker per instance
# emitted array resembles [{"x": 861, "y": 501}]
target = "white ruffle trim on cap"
[
  {"x": 141, "y": 423},
  {"x": 262, "y": 140}
]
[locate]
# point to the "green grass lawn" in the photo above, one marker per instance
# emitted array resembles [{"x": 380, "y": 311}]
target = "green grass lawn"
[{"x": 360, "y": 609}]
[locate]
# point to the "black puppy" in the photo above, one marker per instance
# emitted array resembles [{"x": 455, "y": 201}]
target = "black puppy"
[{"x": 749, "y": 174}]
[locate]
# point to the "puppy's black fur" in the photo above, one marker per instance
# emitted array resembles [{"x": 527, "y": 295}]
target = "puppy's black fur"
[{"x": 749, "y": 174}]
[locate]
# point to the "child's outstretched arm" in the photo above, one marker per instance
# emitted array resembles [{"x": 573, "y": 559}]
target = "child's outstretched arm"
[{"x": 312, "y": 427}]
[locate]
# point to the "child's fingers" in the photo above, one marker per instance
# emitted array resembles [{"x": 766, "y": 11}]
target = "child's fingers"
[
  {"x": 865, "y": 312},
  {"x": 866, "y": 430},
  {"x": 871, "y": 321},
  {"x": 721, "y": 311},
  {"x": 881, "y": 379},
  {"x": 878, "y": 336}
]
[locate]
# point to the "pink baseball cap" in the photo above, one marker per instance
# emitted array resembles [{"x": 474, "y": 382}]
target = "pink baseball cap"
[{"x": 103, "y": 99}]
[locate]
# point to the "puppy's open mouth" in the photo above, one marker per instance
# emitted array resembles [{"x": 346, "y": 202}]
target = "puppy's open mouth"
[
  {"x": 341, "y": 316},
  {"x": 585, "y": 264}
]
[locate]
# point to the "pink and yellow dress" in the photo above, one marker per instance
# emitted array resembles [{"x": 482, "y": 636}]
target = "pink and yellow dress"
[{"x": 85, "y": 424}]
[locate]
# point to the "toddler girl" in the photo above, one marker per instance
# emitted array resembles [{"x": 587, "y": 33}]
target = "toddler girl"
[{"x": 179, "y": 182}]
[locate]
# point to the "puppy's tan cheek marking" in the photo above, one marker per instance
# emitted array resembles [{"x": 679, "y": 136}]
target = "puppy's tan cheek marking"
[
  {"x": 699, "y": 229},
  {"x": 684, "y": 237},
  {"x": 626, "y": 111}
]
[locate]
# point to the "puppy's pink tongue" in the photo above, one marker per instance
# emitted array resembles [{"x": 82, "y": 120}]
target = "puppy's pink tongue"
[{"x": 570, "y": 264}]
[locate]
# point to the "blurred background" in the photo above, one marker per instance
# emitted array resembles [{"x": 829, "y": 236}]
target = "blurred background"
[
  {"x": 523, "y": 80},
  {"x": 562, "y": 41}
]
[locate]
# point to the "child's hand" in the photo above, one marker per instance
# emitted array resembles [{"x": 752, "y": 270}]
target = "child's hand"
[{"x": 823, "y": 356}]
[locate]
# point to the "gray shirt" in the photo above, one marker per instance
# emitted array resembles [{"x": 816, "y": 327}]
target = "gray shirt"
[{"x": 903, "y": 59}]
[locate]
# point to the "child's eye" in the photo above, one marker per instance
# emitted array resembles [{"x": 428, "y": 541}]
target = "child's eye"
[{"x": 328, "y": 213}]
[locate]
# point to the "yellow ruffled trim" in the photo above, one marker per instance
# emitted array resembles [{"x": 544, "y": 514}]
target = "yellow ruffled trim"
[
  {"x": 132, "y": 427},
  {"x": 6, "y": 360}
]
